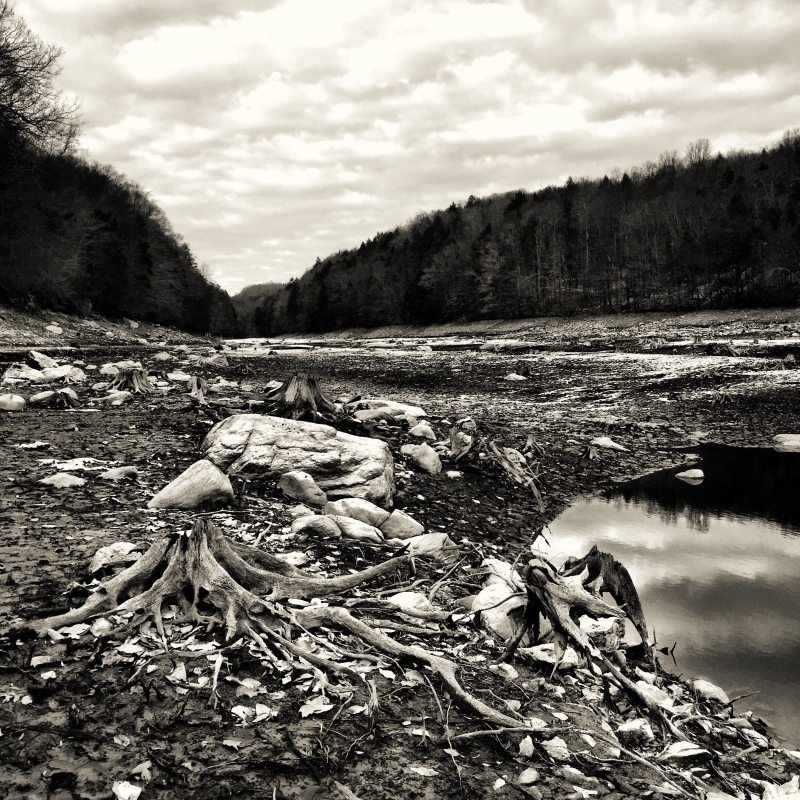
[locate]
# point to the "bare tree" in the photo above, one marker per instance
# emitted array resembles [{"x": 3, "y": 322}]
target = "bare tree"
[
  {"x": 32, "y": 110},
  {"x": 698, "y": 152}
]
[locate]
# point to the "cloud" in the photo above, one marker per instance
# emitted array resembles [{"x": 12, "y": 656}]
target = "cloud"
[{"x": 276, "y": 132}]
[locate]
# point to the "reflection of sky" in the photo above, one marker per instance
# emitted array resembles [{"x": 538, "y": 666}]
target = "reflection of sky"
[{"x": 727, "y": 593}]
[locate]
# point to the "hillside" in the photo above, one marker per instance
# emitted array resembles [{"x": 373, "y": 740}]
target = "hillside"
[
  {"x": 248, "y": 300},
  {"x": 77, "y": 236},
  {"x": 702, "y": 231}
]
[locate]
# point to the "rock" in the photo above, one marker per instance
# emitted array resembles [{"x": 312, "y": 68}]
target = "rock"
[
  {"x": 53, "y": 328},
  {"x": 21, "y": 372},
  {"x": 343, "y": 465},
  {"x": 528, "y": 776},
  {"x": 374, "y": 415},
  {"x": 512, "y": 376},
  {"x": 438, "y": 545},
  {"x": 11, "y": 402},
  {"x": 635, "y": 731},
  {"x": 557, "y": 749},
  {"x": 400, "y": 525},
  {"x": 119, "y": 474},
  {"x": 355, "y": 529},
  {"x": 546, "y": 654},
  {"x": 423, "y": 456},
  {"x": 607, "y": 443},
  {"x": 117, "y": 553},
  {"x": 411, "y": 601},
  {"x": 162, "y": 355},
  {"x": 63, "y": 480},
  {"x": 117, "y": 398},
  {"x": 606, "y": 633},
  {"x": 710, "y": 691},
  {"x": 316, "y": 523},
  {"x": 423, "y": 430},
  {"x": 65, "y": 372},
  {"x": 786, "y": 442},
  {"x": 114, "y": 367},
  {"x": 500, "y": 611},
  {"x": 201, "y": 484},
  {"x": 41, "y": 361},
  {"x": 301, "y": 486},
  {"x": 394, "y": 408},
  {"x": 694, "y": 477},
  {"x": 358, "y": 508},
  {"x": 41, "y": 397},
  {"x": 217, "y": 360},
  {"x": 179, "y": 376},
  {"x": 298, "y": 511}
]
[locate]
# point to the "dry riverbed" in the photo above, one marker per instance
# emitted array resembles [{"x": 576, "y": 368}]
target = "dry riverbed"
[{"x": 79, "y": 714}]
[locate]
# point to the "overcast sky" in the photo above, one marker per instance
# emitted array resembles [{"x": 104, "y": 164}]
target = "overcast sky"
[{"x": 275, "y": 132}]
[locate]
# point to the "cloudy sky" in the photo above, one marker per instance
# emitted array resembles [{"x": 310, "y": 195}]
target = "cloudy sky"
[{"x": 276, "y": 132}]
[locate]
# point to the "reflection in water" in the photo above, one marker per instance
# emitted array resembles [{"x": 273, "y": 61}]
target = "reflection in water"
[{"x": 716, "y": 566}]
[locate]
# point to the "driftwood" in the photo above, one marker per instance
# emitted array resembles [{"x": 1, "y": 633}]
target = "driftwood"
[
  {"x": 300, "y": 398},
  {"x": 131, "y": 380}
]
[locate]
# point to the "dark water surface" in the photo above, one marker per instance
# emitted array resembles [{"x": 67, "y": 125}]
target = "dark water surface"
[{"x": 718, "y": 568}]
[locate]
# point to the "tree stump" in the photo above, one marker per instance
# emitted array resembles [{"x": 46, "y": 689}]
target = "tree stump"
[
  {"x": 131, "y": 380},
  {"x": 300, "y": 398}
]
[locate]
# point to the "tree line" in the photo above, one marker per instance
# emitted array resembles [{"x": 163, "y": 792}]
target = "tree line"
[
  {"x": 78, "y": 236},
  {"x": 683, "y": 232}
]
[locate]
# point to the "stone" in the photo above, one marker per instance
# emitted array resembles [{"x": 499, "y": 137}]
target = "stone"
[
  {"x": 301, "y": 486},
  {"x": 201, "y": 484},
  {"x": 355, "y": 529},
  {"x": 65, "y": 372},
  {"x": 40, "y": 360},
  {"x": 22, "y": 372},
  {"x": 117, "y": 553},
  {"x": 411, "y": 601},
  {"x": 438, "y": 545},
  {"x": 298, "y": 511},
  {"x": 394, "y": 408},
  {"x": 546, "y": 654},
  {"x": 528, "y": 776},
  {"x": 162, "y": 355},
  {"x": 343, "y": 465},
  {"x": 607, "y": 443},
  {"x": 63, "y": 480},
  {"x": 635, "y": 731},
  {"x": 117, "y": 397},
  {"x": 374, "y": 415},
  {"x": 513, "y": 376},
  {"x": 179, "y": 376},
  {"x": 710, "y": 691},
  {"x": 11, "y": 402},
  {"x": 119, "y": 474},
  {"x": 500, "y": 610},
  {"x": 787, "y": 442},
  {"x": 53, "y": 328},
  {"x": 423, "y": 456},
  {"x": 357, "y": 508},
  {"x": 316, "y": 523},
  {"x": 422, "y": 430},
  {"x": 694, "y": 477},
  {"x": 400, "y": 525}
]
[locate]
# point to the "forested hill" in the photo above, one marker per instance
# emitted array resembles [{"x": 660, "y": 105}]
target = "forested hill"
[
  {"x": 248, "y": 300},
  {"x": 687, "y": 232},
  {"x": 77, "y": 236}
]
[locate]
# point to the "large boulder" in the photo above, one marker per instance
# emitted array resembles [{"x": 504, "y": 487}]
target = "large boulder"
[
  {"x": 201, "y": 484},
  {"x": 343, "y": 465}
]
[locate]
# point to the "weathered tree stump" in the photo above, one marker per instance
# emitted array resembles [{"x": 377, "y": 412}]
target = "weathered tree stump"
[
  {"x": 300, "y": 398},
  {"x": 131, "y": 380}
]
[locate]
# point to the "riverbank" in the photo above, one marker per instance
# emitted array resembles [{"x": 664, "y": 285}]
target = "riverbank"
[{"x": 653, "y": 404}]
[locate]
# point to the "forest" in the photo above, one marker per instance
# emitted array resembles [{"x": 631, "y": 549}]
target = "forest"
[
  {"x": 77, "y": 236},
  {"x": 702, "y": 230}
]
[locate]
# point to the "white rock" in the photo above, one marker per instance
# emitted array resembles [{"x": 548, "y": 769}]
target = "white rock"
[
  {"x": 693, "y": 477},
  {"x": 400, "y": 525},
  {"x": 635, "y": 731},
  {"x": 163, "y": 355},
  {"x": 357, "y": 508},
  {"x": 434, "y": 544},
  {"x": 41, "y": 360},
  {"x": 11, "y": 402},
  {"x": 787, "y": 442},
  {"x": 557, "y": 749},
  {"x": 608, "y": 443},
  {"x": 117, "y": 553},
  {"x": 56, "y": 329},
  {"x": 355, "y": 529},
  {"x": 21, "y": 372},
  {"x": 546, "y": 654},
  {"x": 512, "y": 376},
  {"x": 396, "y": 409},
  {"x": 423, "y": 430},
  {"x": 423, "y": 456},
  {"x": 200, "y": 484},
  {"x": 681, "y": 750},
  {"x": 528, "y": 776},
  {"x": 411, "y": 601},
  {"x": 65, "y": 372},
  {"x": 119, "y": 474},
  {"x": 342, "y": 464},
  {"x": 179, "y": 376},
  {"x": 301, "y": 486},
  {"x": 710, "y": 691},
  {"x": 318, "y": 524},
  {"x": 117, "y": 397},
  {"x": 298, "y": 511},
  {"x": 63, "y": 480},
  {"x": 500, "y": 610}
]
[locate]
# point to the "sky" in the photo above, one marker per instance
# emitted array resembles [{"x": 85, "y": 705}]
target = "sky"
[{"x": 273, "y": 133}]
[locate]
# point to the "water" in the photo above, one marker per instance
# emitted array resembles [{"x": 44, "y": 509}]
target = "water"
[{"x": 718, "y": 569}]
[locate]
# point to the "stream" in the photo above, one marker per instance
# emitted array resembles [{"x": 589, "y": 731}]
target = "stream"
[{"x": 717, "y": 567}]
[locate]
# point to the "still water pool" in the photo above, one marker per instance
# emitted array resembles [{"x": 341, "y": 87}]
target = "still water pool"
[{"x": 717, "y": 566}]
